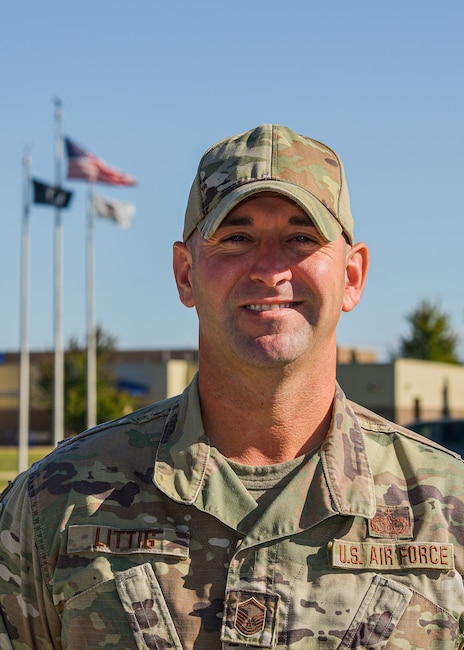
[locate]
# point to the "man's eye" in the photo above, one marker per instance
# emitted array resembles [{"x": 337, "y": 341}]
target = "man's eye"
[
  {"x": 235, "y": 238},
  {"x": 305, "y": 239}
]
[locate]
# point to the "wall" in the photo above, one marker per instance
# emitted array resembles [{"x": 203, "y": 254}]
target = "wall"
[
  {"x": 404, "y": 388},
  {"x": 370, "y": 384},
  {"x": 433, "y": 389}
]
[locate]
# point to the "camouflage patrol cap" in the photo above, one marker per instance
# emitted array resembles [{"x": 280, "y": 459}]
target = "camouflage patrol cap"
[{"x": 270, "y": 158}]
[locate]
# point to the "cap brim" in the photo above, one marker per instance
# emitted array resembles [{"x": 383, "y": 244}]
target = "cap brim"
[{"x": 325, "y": 222}]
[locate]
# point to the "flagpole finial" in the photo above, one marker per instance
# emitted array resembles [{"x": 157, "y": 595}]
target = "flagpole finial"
[
  {"x": 58, "y": 109},
  {"x": 27, "y": 157}
]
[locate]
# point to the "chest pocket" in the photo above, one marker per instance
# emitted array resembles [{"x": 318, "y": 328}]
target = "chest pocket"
[
  {"x": 391, "y": 616},
  {"x": 107, "y": 603},
  {"x": 378, "y": 615},
  {"x": 425, "y": 625},
  {"x": 95, "y": 618}
]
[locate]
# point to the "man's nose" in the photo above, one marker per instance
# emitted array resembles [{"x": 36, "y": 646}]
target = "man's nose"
[{"x": 270, "y": 266}]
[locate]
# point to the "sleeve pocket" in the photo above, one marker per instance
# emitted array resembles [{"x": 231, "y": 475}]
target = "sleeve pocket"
[{"x": 379, "y": 612}]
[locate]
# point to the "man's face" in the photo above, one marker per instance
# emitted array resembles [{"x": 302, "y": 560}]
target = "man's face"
[{"x": 267, "y": 288}]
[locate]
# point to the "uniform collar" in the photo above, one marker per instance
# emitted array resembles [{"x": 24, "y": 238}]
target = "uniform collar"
[
  {"x": 346, "y": 463},
  {"x": 190, "y": 471}
]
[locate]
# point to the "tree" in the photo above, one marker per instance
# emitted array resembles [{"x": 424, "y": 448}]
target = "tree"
[
  {"x": 111, "y": 402},
  {"x": 431, "y": 337}
]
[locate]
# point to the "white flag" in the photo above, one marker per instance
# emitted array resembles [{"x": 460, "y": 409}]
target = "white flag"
[{"x": 120, "y": 212}]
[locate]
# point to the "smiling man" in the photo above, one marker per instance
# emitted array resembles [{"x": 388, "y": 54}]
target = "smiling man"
[
  {"x": 260, "y": 508},
  {"x": 269, "y": 290}
]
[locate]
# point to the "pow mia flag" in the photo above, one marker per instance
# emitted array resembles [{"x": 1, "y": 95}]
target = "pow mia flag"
[
  {"x": 120, "y": 212},
  {"x": 51, "y": 195}
]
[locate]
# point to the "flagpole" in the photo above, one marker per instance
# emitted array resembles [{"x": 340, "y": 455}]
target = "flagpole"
[
  {"x": 91, "y": 329},
  {"x": 24, "y": 364},
  {"x": 58, "y": 423}
]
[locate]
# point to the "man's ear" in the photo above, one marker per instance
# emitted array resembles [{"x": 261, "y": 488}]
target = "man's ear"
[
  {"x": 357, "y": 263},
  {"x": 182, "y": 264}
]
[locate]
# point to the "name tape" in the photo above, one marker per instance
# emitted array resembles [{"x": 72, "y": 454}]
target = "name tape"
[
  {"x": 122, "y": 541},
  {"x": 394, "y": 556}
]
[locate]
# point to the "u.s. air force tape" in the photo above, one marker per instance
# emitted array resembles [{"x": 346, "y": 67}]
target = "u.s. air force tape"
[{"x": 390, "y": 556}]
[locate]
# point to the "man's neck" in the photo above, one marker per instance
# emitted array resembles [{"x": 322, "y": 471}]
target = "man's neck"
[{"x": 265, "y": 417}]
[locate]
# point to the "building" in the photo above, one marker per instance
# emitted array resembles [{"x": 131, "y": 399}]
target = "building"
[
  {"x": 406, "y": 389},
  {"x": 149, "y": 375}
]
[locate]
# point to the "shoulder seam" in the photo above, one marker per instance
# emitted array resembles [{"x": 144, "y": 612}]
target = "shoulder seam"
[{"x": 372, "y": 422}]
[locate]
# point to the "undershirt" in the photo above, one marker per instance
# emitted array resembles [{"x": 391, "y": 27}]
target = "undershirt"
[{"x": 265, "y": 481}]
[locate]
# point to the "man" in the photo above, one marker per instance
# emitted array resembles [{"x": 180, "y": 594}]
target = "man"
[{"x": 260, "y": 508}]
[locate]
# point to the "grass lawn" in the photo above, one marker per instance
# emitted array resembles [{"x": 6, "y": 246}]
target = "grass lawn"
[{"x": 9, "y": 461}]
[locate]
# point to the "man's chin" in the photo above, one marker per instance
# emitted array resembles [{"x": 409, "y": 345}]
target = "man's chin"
[{"x": 272, "y": 351}]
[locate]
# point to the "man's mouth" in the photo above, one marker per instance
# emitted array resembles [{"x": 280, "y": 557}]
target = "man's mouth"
[{"x": 271, "y": 307}]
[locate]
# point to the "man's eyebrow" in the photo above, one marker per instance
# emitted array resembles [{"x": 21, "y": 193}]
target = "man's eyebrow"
[
  {"x": 236, "y": 221},
  {"x": 242, "y": 220},
  {"x": 301, "y": 220}
]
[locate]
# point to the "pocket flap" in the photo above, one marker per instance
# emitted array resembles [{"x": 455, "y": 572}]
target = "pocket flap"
[
  {"x": 379, "y": 612},
  {"x": 146, "y": 609}
]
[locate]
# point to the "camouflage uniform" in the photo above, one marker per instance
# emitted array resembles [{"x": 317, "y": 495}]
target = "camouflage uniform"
[{"x": 138, "y": 534}]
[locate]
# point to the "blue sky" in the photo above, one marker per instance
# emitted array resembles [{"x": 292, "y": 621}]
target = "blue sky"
[{"x": 149, "y": 85}]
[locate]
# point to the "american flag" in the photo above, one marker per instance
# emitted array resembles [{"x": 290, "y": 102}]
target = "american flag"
[{"x": 85, "y": 166}]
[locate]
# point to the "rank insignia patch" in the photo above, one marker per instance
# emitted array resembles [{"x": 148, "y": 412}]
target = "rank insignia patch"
[{"x": 250, "y": 617}]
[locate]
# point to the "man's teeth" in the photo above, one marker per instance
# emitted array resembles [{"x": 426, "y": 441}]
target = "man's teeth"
[{"x": 273, "y": 307}]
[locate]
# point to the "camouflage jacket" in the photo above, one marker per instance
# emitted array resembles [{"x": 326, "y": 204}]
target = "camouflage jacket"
[{"x": 138, "y": 534}]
